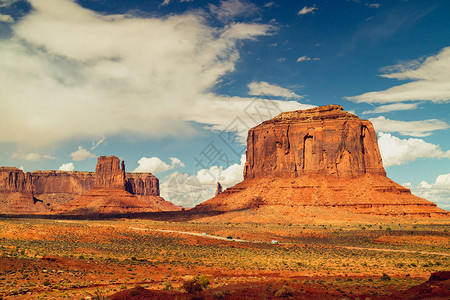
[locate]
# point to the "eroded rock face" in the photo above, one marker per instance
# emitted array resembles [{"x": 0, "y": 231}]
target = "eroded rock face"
[
  {"x": 324, "y": 140},
  {"x": 145, "y": 184},
  {"x": 110, "y": 173},
  {"x": 75, "y": 182},
  {"x": 113, "y": 194},
  {"x": 317, "y": 163},
  {"x": 219, "y": 189},
  {"x": 14, "y": 180},
  {"x": 43, "y": 191}
]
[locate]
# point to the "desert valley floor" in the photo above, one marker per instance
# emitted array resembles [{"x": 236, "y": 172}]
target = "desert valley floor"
[{"x": 379, "y": 258}]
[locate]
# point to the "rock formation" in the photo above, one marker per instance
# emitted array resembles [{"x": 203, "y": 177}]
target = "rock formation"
[
  {"x": 58, "y": 187},
  {"x": 43, "y": 191},
  {"x": 219, "y": 189},
  {"x": 109, "y": 194},
  {"x": 110, "y": 173},
  {"x": 321, "y": 161},
  {"x": 16, "y": 192},
  {"x": 324, "y": 141}
]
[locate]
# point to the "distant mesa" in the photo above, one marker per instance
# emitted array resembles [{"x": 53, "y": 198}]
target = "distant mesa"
[
  {"x": 110, "y": 190},
  {"x": 320, "y": 162}
]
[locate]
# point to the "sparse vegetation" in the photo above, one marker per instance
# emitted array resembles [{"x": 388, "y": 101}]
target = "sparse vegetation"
[{"x": 77, "y": 256}]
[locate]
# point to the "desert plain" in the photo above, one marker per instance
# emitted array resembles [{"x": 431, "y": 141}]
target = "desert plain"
[{"x": 370, "y": 258}]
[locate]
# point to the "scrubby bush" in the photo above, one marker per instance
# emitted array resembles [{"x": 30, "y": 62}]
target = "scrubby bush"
[
  {"x": 284, "y": 292},
  {"x": 385, "y": 277},
  {"x": 196, "y": 284}
]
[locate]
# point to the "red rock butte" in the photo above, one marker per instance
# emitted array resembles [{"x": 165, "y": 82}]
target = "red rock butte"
[
  {"x": 317, "y": 162},
  {"x": 109, "y": 190}
]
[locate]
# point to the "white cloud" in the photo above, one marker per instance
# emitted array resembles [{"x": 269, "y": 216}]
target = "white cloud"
[
  {"x": 67, "y": 167},
  {"x": 6, "y": 18},
  {"x": 32, "y": 156},
  {"x": 239, "y": 114},
  {"x": 98, "y": 143},
  {"x": 396, "y": 151},
  {"x": 392, "y": 107},
  {"x": 373, "y": 5},
  {"x": 81, "y": 154},
  {"x": 228, "y": 9},
  {"x": 307, "y": 58},
  {"x": 307, "y": 10},
  {"x": 263, "y": 88},
  {"x": 430, "y": 81},
  {"x": 156, "y": 165},
  {"x": 167, "y": 2},
  {"x": 189, "y": 190},
  {"x": 113, "y": 75},
  {"x": 437, "y": 192},
  {"x": 412, "y": 128}
]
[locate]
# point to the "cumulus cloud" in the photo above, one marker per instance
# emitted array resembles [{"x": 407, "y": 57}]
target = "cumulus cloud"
[
  {"x": 32, "y": 156},
  {"x": 392, "y": 107},
  {"x": 396, "y": 151},
  {"x": 6, "y": 18},
  {"x": 437, "y": 192},
  {"x": 430, "y": 81},
  {"x": 240, "y": 114},
  {"x": 189, "y": 190},
  {"x": 263, "y": 88},
  {"x": 81, "y": 154},
  {"x": 228, "y": 9},
  {"x": 307, "y": 10},
  {"x": 156, "y": 165},
  {"x": 67, "y": 167},
  {"x": 412, "y": 128},
  {"x": 115, "y": 74},
  {"x": 307, "y": 58}
]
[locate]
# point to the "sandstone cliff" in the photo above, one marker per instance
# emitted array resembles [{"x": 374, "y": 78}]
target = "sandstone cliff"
[
  {"x": 109, "y": 194},
  {"x": 324, "y": 140},
  {"x": 317, "y": 162},
  {"x": 110, "y": 173},
  {"x": 16, "y": 192},
  {"x": 42, "y": 191}
]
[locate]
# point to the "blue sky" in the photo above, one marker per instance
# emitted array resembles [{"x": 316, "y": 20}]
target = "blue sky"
[{"x": 172, "y": 87}]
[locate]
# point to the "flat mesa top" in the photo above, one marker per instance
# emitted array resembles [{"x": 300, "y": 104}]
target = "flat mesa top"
[{"x": 314, "y": 114}]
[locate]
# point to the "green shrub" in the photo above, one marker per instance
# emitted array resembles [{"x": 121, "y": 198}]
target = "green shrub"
[
  {"x": 284, "y": 292},
  {"x": 385, "y": 277}
]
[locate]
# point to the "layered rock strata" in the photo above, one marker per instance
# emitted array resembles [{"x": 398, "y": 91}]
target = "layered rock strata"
[
  {"x": 43, "y": 191},
  {"x": 318, "y": 161},
  {"x": 109, "y": 194}
]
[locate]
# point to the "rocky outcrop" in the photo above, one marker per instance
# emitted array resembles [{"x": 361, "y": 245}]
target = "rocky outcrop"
[
  {"x": 219, "y": 189},
  {"x": 324, "y": 141},
  {"x": 58, "y": 187},
  {"x": 14, "y": 180},
  {"x": 317, "y": 162},
  {"x": 144, "y": 184},
  {"x": 43, "y": 191},
  {"x": 109, "y": 194},
  {"x": 110, "y": 173},
  {"x": 16, "y": 192}
]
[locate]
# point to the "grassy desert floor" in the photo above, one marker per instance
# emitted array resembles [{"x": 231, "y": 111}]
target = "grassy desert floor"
[{"x": 48, "y": 259}]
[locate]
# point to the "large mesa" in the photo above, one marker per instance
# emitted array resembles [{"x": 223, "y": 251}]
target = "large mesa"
[
  {"x": 324, "y": 140},
  {"x": 322, "y": 162}
]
